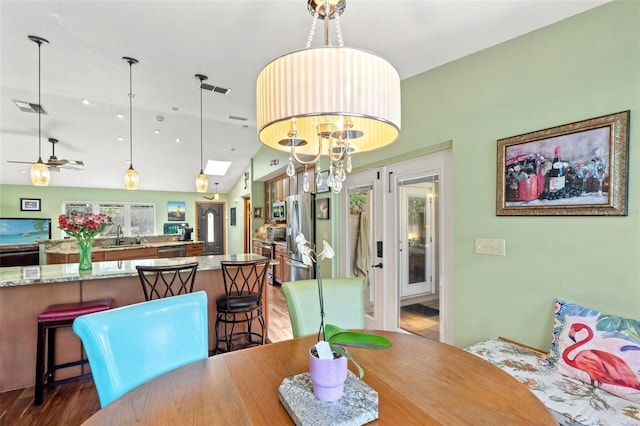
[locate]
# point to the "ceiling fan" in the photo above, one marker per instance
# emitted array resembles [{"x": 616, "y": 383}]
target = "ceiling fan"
[{"x": 54, "y": 163}]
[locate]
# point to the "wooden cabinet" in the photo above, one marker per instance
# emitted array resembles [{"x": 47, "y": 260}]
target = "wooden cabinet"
[
  {"x": 257, "y": 247},
  {"x": 280, "y": 254},
  {"x": 129, "y": 253},
  {"x": 195, "y": 249}
]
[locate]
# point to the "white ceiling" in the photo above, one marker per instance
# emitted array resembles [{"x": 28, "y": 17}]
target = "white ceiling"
[{"x": 230, "y": 42}]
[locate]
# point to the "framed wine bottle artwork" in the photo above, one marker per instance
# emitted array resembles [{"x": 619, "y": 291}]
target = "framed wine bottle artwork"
[{"x": 576, "y": 169}]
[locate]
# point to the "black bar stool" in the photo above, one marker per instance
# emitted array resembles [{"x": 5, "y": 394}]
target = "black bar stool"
[
  {"x": 52, "y": 318},
  {"x": 240, "y": 305}
]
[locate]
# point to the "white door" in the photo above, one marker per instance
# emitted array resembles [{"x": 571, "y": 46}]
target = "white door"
[
  {"x": 383, "y": 186},
  {"x": 361, "y": 230},
  {"x": 416, "y": 238}
]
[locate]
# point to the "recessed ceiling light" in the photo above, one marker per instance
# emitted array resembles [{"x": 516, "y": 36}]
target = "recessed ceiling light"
[
  {"x": 159, "y": 118},
  {"x": 120, "y": 115},
  {"x": 217, "y": 168},
  {"x": 178, "y": 140},
  {"x": 175, "y": 108},
  {"x": 86, "y": 102},
  {"x": 120, "y": 138},
  {"x": 156, "y": 131}
]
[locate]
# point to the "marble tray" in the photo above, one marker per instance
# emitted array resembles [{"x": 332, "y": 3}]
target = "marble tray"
[{"x": 358, "y": 405}]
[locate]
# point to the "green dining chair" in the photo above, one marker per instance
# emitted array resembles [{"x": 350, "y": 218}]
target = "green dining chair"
[
  {"x": 343, "y": 304},
  {"x": 133, "y": 344}
]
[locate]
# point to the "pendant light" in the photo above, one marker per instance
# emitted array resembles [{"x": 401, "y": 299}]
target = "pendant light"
[
  {"x": 131, "y": 178},
  {"x": 40, "y": 174},
  {"x": 216, "y": 195},
  {"x": 202, "y": 183},
  {"x": 350, "y": 102}
]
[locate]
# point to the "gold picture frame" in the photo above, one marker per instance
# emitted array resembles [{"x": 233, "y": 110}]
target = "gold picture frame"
[{"x": 592, "y": 163}]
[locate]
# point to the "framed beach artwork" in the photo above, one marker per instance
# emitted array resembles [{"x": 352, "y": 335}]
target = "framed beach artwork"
[
  {"x": 176, "y": 211},
  {"x": 30, "y": 204},
  {"x": 577, "y": 169}
]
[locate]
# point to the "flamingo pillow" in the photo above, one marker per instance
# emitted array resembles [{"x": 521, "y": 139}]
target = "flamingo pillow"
[{"x": 597, "y": 348}]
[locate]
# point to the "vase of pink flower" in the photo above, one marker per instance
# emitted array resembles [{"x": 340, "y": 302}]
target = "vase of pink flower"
[{"x": 84, "y": 228}]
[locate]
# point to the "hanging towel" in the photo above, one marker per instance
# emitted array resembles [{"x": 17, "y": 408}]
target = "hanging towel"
[{"x": 362, "y": 260}]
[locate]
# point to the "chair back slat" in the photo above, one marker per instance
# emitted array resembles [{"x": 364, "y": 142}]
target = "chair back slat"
[
  {"x": 243, "y": 278},
  {"x": 165, "y": 281}
]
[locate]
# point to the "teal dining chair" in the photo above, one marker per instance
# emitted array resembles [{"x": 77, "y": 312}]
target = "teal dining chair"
[
  {"x": 133, "y": 344},
  {"x": 343, "y": 304}
]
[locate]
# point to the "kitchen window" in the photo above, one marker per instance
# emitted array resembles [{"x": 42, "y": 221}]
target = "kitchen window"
[{"x": 134, "y": 218}]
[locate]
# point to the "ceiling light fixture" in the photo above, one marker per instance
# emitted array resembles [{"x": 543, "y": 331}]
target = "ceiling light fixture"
[
  {"x": 216, "y": 195},
  {"x": 40, "y": 175},
  {"x": 350, "y": 102},
  {"x": 202, "y": 183},
  {"x": 131, "y": 178}
]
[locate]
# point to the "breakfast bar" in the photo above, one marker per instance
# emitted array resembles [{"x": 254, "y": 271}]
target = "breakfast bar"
[{"x": 27, "y": 290}]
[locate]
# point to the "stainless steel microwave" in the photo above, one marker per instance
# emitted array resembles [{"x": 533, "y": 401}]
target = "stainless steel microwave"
[{"x": 278, "y": 211}]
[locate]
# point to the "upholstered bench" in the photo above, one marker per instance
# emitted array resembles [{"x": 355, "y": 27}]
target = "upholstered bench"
[
  {"x": 571, "y": 401},
  {"x": 562, "y": 383}
]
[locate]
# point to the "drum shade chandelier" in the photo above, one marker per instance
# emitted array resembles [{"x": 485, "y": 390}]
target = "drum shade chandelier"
[
  {"x": 327, "y": 100},
  {"x": 40, "y": 174},
  {"x": 202, "y": 183},
  {"x": 131, "y": 178}
]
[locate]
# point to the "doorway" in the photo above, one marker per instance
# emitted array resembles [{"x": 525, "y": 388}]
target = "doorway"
[
  {"x": 408, "y": 206},
  {"x": 211, "y": 227}
]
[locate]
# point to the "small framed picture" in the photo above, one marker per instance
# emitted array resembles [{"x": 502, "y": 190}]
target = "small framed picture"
[
  {"x": 322, "y": 209},
  {"x": 324, "y": 187},
  {"x": 257, "y": 212},
  {"x": 30, "y": 204}
]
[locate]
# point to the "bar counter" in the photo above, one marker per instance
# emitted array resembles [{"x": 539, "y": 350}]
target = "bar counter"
[{"x": 25, "y": 291}]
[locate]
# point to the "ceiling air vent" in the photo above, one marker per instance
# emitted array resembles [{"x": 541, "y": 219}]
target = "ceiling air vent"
[
  {"x": 29, "y": 107},
  {"x": 235, "y": 117},
  {"x": 216, "y": 89}
]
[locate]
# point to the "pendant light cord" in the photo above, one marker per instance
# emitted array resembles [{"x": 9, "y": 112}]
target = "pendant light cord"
[
  {"x": 201, "y": 166},
  {"x": 130, "y": 114},
  {"x": 39, "y": 105}
]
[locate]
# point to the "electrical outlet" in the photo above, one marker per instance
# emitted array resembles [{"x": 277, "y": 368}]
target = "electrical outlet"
[{"x": 492, "y": 246}]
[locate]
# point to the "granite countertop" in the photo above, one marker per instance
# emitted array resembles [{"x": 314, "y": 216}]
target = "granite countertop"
[
  {"x": 43, "y": 274},
  {"x": 264, "y": 240}
]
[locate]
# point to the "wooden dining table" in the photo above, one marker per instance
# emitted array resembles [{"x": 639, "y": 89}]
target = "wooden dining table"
[{"x": 419, "y": 381}]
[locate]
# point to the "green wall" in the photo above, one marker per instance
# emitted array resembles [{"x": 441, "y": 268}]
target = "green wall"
[
  {"x": 586, "y": 66},
  {"x": 583, "y": 67},
  {"x": 53, "y": 196}
]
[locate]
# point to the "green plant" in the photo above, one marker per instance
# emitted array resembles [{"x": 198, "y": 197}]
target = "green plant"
[{"x": 336, "y": 337}]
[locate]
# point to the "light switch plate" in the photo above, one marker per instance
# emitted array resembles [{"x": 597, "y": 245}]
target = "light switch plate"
[{"x": 492, "y": 246}]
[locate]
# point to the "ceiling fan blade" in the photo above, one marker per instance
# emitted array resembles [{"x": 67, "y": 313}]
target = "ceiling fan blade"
[
  {"x": 76, "y": 163},
  {"x": 21, "y": 162},
  {"x": 68, "y": 167}
]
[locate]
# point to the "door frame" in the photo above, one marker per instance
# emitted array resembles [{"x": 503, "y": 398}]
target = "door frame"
[{"x": 386, "y": 208}]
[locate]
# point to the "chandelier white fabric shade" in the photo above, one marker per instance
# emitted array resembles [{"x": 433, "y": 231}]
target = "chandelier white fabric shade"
[{"x": 306, "y": 89}]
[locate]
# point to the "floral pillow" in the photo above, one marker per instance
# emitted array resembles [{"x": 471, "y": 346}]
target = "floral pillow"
[{"x": 597, "y": 348}]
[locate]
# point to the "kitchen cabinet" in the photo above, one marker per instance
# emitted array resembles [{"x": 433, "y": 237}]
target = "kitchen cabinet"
[
  {"x": 195, "y": 249},
  {"x": 280, "y": 254},
  {"x": 128, "y": 254},
  {"x": 99, "y": 254},
  {"x": 257, "y": 247}
]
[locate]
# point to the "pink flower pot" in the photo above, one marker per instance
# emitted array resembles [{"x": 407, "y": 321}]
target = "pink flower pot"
[{"x": 328, "y": 376}]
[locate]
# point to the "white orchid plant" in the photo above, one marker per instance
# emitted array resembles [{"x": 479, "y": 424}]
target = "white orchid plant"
[{"x": 333, "y": 339}]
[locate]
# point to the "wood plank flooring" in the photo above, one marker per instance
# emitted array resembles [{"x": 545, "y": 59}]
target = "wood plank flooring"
[{"x": 71, "y": 404}]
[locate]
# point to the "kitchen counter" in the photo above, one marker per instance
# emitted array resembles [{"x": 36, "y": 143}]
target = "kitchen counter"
[
  {"x": 52, "y": 274},
  {"x": 25, "y": 291}
]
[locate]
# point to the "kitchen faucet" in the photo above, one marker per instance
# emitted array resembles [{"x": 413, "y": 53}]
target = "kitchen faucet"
[{"x": 119, "y": 240}]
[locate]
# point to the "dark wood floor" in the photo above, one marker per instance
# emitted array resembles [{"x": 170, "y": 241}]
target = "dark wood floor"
[{"x": 71, "y": 404}]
